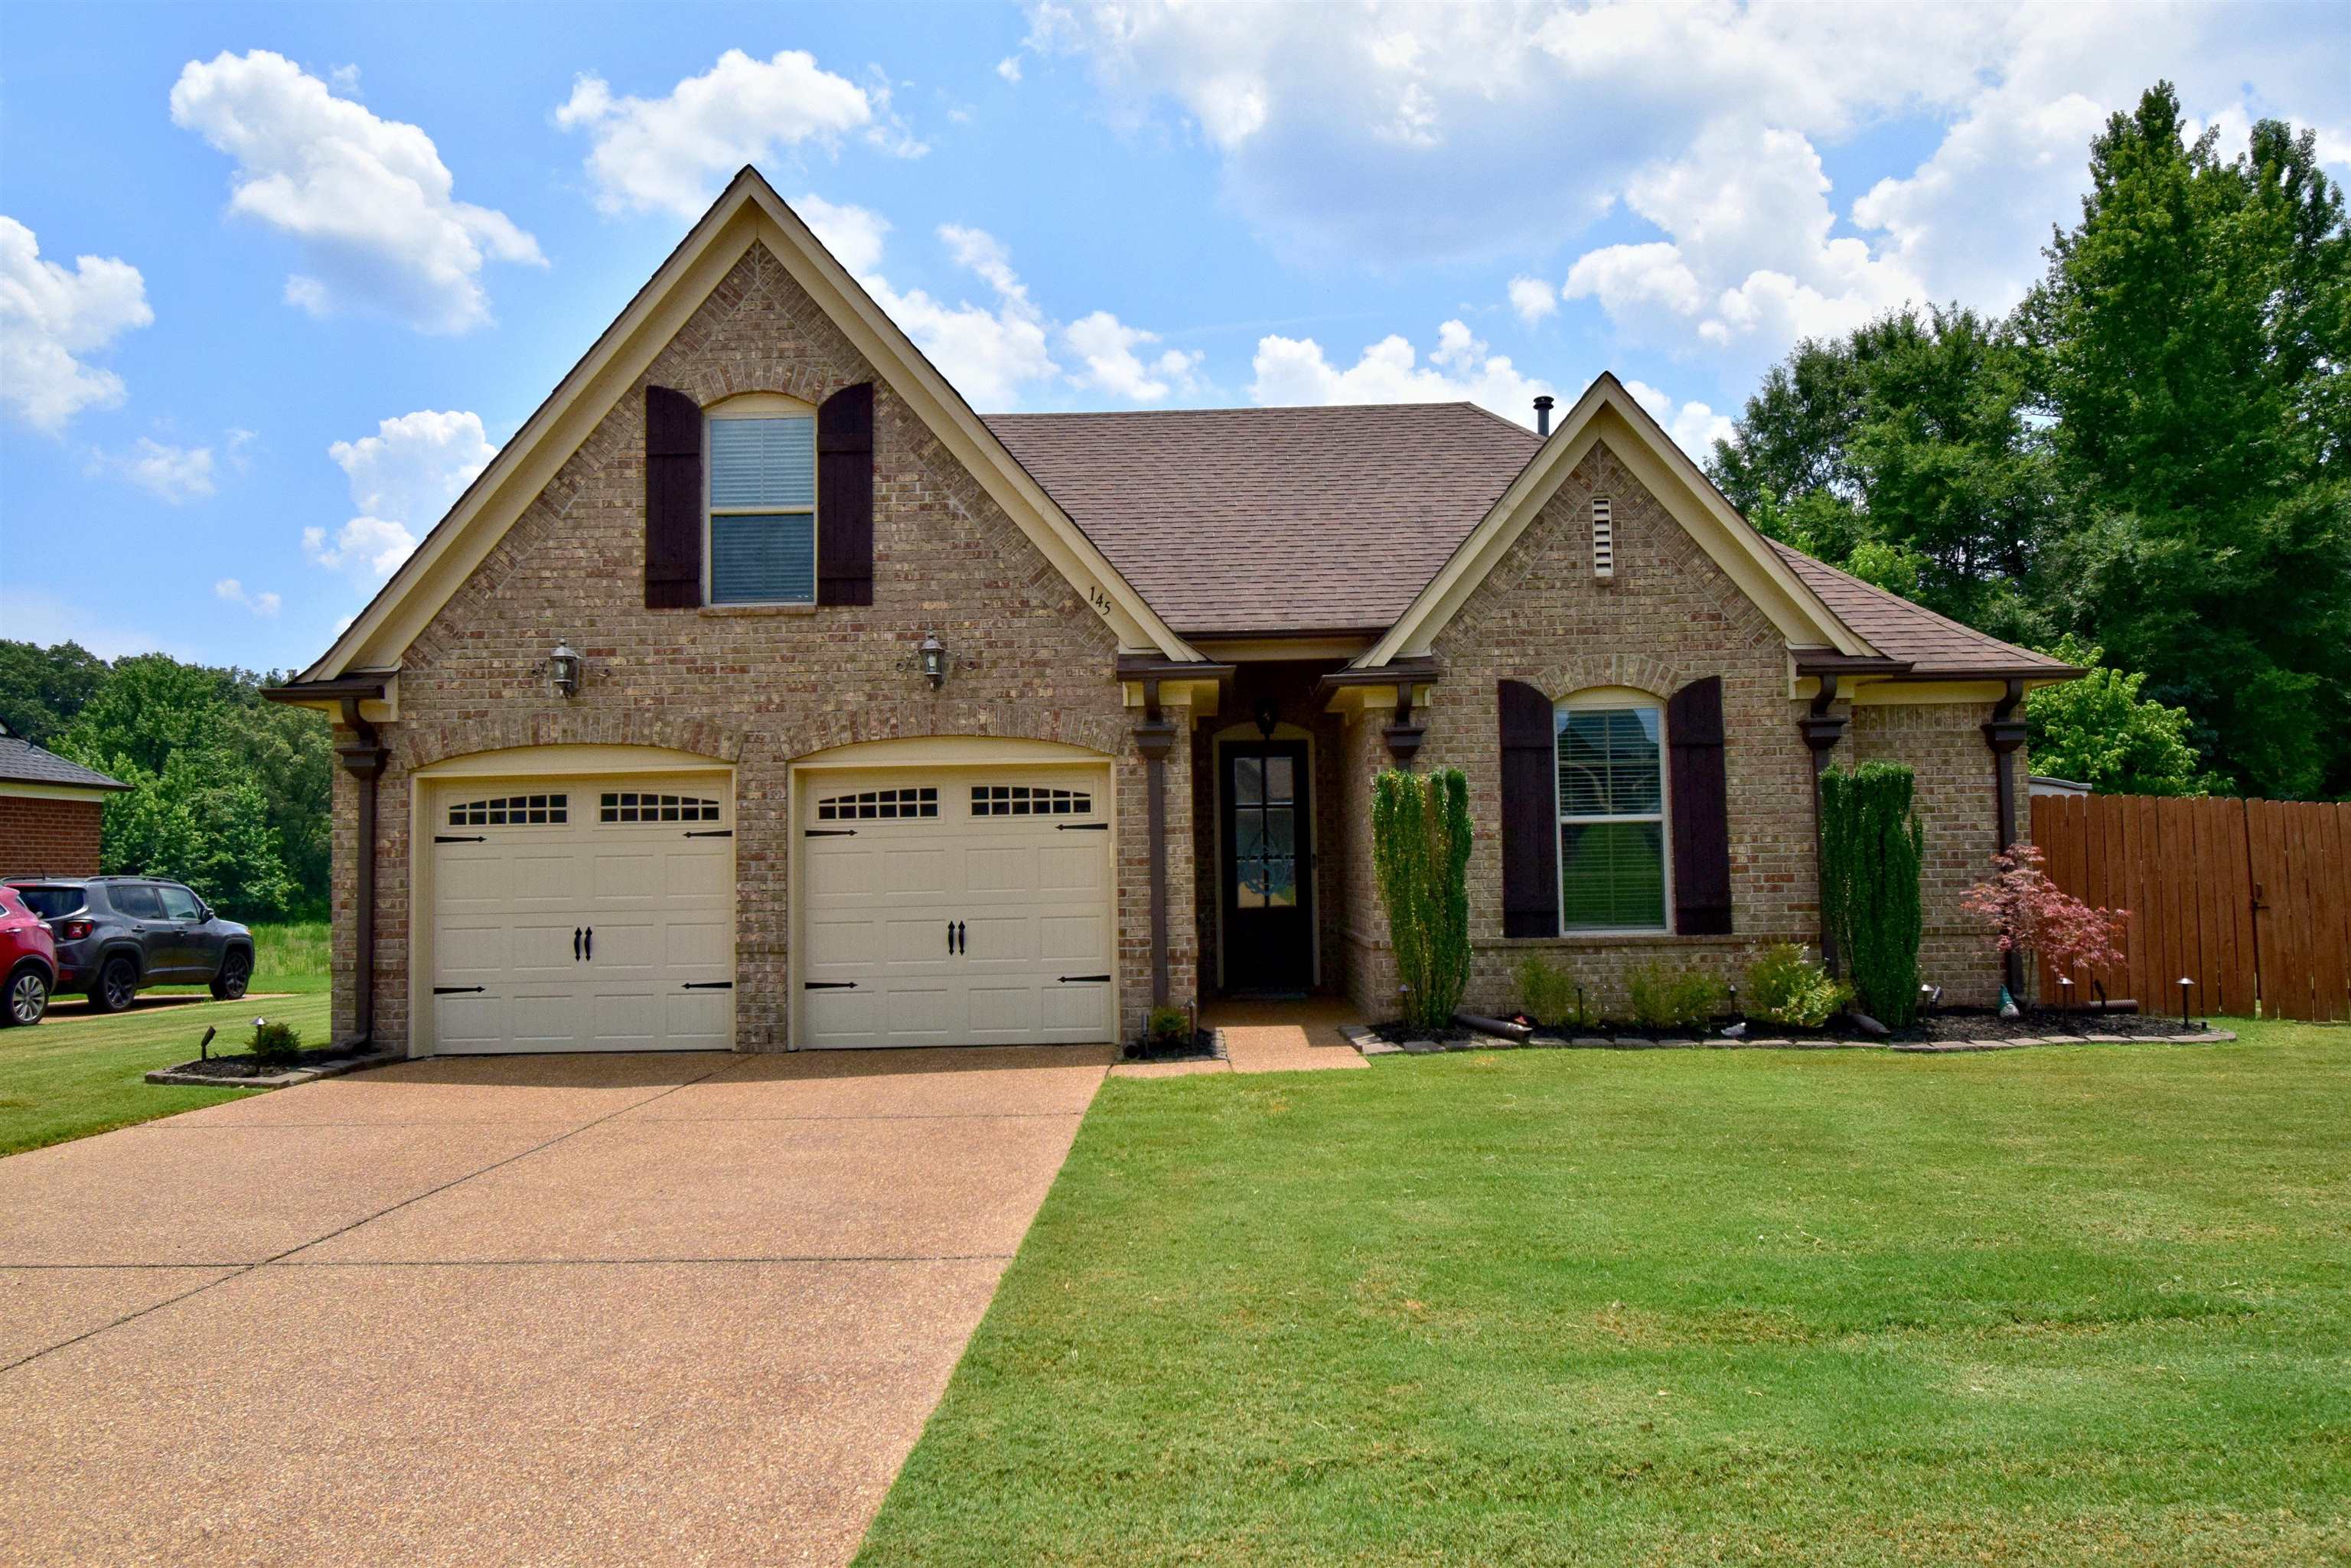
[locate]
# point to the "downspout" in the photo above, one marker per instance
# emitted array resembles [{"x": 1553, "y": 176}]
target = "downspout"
[
  {"x": 362, "y": 757},
  {"x": 1821, "y": 731},
  {"x": 2003, "y": 734},
  {"x": 1155, "y": 737}
]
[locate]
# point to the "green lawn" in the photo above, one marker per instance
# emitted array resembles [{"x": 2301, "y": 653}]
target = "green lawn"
[
  {"x": 2084, "y": 1304},
  {"x": 73, "y": 1075}
]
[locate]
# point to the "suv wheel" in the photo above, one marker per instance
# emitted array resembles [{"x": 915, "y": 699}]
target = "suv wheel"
[
  {"x": 235, "y": 974},
  {"x": 28, "y": 997},
  {"x": 117, "y": 983}
]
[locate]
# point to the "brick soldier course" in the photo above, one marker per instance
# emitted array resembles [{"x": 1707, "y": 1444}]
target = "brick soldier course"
[{"x": 1265, "y": 508}]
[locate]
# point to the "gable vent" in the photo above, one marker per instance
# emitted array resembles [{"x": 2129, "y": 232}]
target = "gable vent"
[{"x": 1603, "y": 537}]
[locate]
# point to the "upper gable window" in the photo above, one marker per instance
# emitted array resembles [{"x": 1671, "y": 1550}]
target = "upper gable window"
[{"x": 762, "y": 511}]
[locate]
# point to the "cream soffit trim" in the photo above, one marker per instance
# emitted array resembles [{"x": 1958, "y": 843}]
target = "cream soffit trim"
[
  {"x": 572, "y": 761},
  {"x": 748, "y": 213},
  {"x": 27, "y": 791},
  {"x": 1607, "y": 411}
]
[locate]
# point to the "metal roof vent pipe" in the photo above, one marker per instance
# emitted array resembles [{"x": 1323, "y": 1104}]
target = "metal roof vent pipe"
[{"x": 1542, "y": 414}]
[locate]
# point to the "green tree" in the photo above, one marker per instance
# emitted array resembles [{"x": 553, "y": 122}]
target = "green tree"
[
  {"x": 1903, "y": 454},
  {"x": 41, "y": 689},
  {"x": 1872, "y": 847},
  {"x": 1420, "y": 855},
  {"x": 2190, "y": 347},
  {"x": 2099, "y": 731}
]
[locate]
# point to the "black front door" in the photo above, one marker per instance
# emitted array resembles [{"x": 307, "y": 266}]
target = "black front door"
[{"x": 1268, "y": 908}]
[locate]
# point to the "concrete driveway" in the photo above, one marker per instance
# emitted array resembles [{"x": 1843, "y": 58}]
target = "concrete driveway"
[{"x": 571, "y": 1308}]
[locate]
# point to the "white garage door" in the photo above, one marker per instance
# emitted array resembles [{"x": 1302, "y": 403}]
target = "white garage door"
[
  {"x": 582, "y": 914},
  {"x": 956, "y": 907}
]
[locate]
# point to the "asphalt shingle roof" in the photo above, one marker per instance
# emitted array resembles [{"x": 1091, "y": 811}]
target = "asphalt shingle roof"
[
  {"x": 1274, "y": 520},
  {"x": 1255, "y": 520},
  {"x": 22, "y": 762}
]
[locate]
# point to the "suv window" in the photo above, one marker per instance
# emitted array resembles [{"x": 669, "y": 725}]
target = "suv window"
[
  {"x": 51, "y": 903},
  {"x": 135, "y": 899},
  {"x": 179, "y": 904}
]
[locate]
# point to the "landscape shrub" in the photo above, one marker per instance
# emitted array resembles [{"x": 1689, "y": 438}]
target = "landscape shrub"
[
  {"x": 1662, "y": 997},
  {"x": 1547, "y": 992},
  {"x": 2024, "y": 911},
  {"x": 1168, "y": 1031},
  {"x": 1785, "y": 986},
  {"x": 1420, "y": 853},
  {"x": 276, "y": 1040},
  {"x": 1871, "y": 847}
]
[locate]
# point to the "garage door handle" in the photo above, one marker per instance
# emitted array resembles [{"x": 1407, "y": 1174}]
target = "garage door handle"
[
  {"x": 1083, "y": 826},
  {"x": 827, "y": 833},
  {"x": 455, "y": 990},
  {"x": 962, "y": 943},
  {"x": 828, "y": 984},
  {"x": 1073, "y": 979},
  {"x": 707, "y": 985},
  {"x": 575, "y": 944},
  {"x": 712, "y": 833},
  {"x": 591, "y": 944},
  {"x": 950, "y": 936},
  {"x": 459, "y": 838}
]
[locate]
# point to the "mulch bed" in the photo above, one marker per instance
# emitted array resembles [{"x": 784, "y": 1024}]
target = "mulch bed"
[
  {"x": 1204, "y": 1048},
  {"x": 1945, "y": 1029},
  {"x": 235, "y": 1069}
]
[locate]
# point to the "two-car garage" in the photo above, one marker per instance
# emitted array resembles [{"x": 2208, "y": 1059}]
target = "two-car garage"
[{"x": 944, "y": 892}]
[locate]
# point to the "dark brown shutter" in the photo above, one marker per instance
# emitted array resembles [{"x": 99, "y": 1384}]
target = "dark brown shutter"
[
  {"x": 1700, "y": 803},
  {"x": 1529, "y": 814},
  {"x": 672, "y": 500},
  {"x": 844, "y": 497}
]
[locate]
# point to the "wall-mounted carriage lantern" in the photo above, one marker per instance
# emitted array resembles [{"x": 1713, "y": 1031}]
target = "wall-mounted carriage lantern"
[
  {"x": 934, "y": 656},
  {"x": 1268, "y": 716},
  {"x": 564, "y": 667}
]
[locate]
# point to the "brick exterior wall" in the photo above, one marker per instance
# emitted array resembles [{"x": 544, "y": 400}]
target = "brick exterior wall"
[
  {"x": 1669, "y": 616},
  {"x": 760, "y": 687},
  {"x": 48, "y": 838}
]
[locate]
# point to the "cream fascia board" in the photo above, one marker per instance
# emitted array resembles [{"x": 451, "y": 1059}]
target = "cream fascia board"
[
  {"x": 1607, "y": 411},
  {"x": 749, "y": 212},
  {"x": 12, "y": 790}
]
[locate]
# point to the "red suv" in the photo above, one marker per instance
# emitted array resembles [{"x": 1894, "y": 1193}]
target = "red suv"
[{"x": 28, "y": 956}]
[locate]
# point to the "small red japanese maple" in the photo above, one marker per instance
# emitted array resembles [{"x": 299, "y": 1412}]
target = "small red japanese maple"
[{"x": 2025, "y": 910}]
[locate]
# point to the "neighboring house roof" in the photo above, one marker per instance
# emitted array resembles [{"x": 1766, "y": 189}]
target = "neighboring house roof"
[
  {"x": 1274, "y": 520},
  {"x": 1932, "y": 643},
  {"x": 22, "y": 762}
]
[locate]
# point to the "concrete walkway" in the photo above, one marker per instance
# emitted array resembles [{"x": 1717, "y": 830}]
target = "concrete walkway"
[
  {"x": 576, "y": 1309},
  {"x": 1267, "y": 1037}
]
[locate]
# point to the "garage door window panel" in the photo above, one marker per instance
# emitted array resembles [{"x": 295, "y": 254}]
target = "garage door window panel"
[
  {"x": 512, "y": 812},
  {"x": 637, "y": 806},
  {"x": 912, "y": 802},
  {"x": 1029, "y": 800}
]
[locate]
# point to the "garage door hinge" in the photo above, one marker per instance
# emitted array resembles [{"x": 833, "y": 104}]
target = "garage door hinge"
[
  {"x": 828, "y": 984},
  {"x": 712, "y": 834},
  {"x": 455, "y": 990},
  {"x": 827, "y": 833},
  {"x": 1073, "y": 979},
  {"x": 1085, "y": 827},
  {"x": 708, "y": 986},
  {"x": 459, "y": 838}
]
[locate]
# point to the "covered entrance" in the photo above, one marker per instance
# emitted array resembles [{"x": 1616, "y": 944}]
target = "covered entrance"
[{"x": 1266, "y": 875}]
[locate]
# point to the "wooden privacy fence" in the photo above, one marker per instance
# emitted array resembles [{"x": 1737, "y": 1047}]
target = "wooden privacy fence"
[{"x": 2247, "y": 898}]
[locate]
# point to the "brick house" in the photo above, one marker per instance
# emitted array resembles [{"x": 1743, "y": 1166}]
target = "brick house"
[
  {"x": 51, "y": 810},
  {"x": 762, "y": 695}
]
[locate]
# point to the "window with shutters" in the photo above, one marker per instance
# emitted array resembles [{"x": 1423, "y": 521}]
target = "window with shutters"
[
  {"x": 1613, "y": 871},
  {"x": 761, "y": 482}
]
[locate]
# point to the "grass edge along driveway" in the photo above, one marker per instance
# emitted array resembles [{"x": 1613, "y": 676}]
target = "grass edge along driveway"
[{"x": 2084, "y": 1304}]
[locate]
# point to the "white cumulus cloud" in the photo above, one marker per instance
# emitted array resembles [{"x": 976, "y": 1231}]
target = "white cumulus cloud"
[
  {"x": 369, "y": 199},
  {"x": 1009, "y": 67},
  {"x": 402, "y": 479},
  {"x": 1107, "y": 347},
  {"x": 50, "y": 318},
  {"x": 672, "y": 152},
  {"x": 1460, "y": 369},
  {"x": 230, "y": 590},
  {"x": 174, "y": 474},
  {"x": 1694, "y": 426},
  {"x": 1532, "y": 298}
]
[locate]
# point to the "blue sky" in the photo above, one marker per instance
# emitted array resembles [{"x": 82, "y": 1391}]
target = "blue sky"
[{"x": 275, "y": 281}]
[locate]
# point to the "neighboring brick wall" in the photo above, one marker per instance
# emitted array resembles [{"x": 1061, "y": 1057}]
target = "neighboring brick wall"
[
  {"x": 1669, "y": 616},
  {"x": 761, "y": 687},
  {"x": 48, "y": 838}
]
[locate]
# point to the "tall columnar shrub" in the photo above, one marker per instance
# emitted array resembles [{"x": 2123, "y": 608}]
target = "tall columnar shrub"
[
  {"x": 1871, "y": 847},
  {"x": 1420, "y": 850}
]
